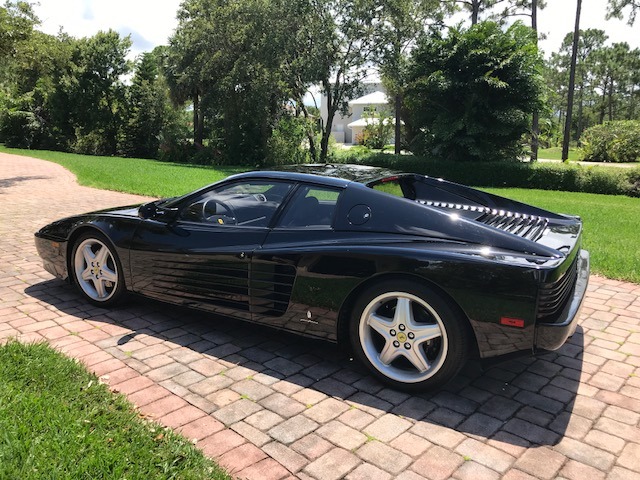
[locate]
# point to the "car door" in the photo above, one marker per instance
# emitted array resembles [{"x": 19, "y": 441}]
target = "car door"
[
  {"x": 298, "y": 273},
  {"x": 201, "y": 258}
]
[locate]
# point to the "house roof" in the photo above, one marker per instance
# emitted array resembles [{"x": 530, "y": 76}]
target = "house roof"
[
  {"x": 364, "y": 121},
  {"x": 375, "y": 98}
]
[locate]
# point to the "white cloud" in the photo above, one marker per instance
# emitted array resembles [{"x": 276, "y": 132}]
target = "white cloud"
[{"x": 149, "y": 22}]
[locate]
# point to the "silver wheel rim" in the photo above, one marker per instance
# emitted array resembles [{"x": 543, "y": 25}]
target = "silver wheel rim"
[
  {"x": 96, "y": 270},
  {"x": 403, "y": 337}
]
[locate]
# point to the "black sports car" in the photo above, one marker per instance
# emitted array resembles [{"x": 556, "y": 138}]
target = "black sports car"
[{"x": 416, "y": 274}]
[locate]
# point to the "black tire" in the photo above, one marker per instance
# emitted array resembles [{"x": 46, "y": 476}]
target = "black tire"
[
  {"x": 100, "y": 279},
  {"x": 399, "y": 324}
]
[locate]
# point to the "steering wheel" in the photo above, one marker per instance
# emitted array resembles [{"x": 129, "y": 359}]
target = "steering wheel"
[{"x": 230, "y": 212}]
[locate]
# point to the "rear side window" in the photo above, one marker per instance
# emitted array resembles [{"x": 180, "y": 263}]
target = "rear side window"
[
  {"x": 392, "y": 188},
  {"x": 311, "y": 206}
]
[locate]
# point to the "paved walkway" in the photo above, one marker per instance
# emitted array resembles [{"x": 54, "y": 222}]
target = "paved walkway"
[
  {"x": 267, "y": 405},
  {"x": 594, "y": 164}
]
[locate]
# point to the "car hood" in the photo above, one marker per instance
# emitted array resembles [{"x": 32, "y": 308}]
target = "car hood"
[{"x": 60, "y": 230}]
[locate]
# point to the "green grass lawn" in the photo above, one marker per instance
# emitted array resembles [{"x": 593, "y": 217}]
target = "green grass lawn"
[
  {"x": 133, "y": 175},
  {"x": 555, "y": 153},
  {"x": 58, "y": 421}
]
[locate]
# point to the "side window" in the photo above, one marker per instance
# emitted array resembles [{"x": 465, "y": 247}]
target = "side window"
[
  {"x": 311, "y": 206},
  {"x": 249, "y": 203}
]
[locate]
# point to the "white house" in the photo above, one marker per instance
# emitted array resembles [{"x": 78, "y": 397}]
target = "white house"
[{"x": 346, "y": 129}]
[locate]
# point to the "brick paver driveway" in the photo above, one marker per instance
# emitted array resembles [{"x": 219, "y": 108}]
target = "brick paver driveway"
[{"x": 268, "y": 405}]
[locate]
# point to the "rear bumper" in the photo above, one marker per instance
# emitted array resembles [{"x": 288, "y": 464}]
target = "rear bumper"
[{"x": 551, "y": 336}]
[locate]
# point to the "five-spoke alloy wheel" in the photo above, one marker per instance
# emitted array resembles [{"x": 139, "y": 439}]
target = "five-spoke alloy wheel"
[
  {"x": 96, "y": 269},
  {"x": 408, "y": 335}
]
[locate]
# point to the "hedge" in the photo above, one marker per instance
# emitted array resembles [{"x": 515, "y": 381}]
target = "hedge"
[{"x": 544, "y": 176}]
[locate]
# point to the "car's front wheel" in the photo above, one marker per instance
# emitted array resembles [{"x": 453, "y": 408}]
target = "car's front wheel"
[
  {"x": 96, "y": 270},
  {"x": 408, "y": 335}
]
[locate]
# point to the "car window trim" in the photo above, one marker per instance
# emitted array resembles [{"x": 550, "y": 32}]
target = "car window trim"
[{"x": 182, "y": 222}]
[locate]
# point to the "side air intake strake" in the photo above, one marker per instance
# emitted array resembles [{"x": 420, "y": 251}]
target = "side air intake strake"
[{"x": 531, "y": 227}]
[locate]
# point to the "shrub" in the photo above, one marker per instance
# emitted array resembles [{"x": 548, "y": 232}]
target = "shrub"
[
  {"x": 617, "y": 141},
  {"x": 288, "y": 143},
  {"x": 470, "y": 93},
  {"x": 379, "y": 131},
  {"x": 92, "y": 143},
  {"x": 18, "y": 129}
]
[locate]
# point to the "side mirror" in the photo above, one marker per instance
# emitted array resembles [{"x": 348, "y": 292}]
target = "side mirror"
[
  {"x": 148, "y": 210},
  {"x": 152, "y": 211}
]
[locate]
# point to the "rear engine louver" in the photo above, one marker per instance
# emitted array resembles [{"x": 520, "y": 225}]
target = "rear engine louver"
[{"x": 531, "y": 227}]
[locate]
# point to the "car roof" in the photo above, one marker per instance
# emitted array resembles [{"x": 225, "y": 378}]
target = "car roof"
[{"x": 338, "y": 175}]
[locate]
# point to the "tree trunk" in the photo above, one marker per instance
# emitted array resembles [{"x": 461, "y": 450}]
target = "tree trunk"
[
  {"x": 197, "y": 127},
  {"x": 309, "y": 130},
  {"x": 572, "y": 82},
  {"x": 603, "y": 102},
  {"x": 580, "y": 115},
  {"x": 398, "y": 126},
  {"x": 535, "y": 124},
  {"x": 475, "y": 10},
  {"x": 326, "y": 132},
  {"x": 610, "y": 101}
]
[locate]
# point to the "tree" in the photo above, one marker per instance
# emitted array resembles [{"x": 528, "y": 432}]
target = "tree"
[
  {"x": 399, "y": 24},
  {"x": 527, "y": 8},
  {"x": 590, "y": 42},
  {"x": 616, "y": 9},
  {"x": 17, "y": 20},
  {"x": 634, "y": 84},
  {"x": 341, "y": 64},
  {"x": 96, "y": 92},
  {"x": 148, "y": 109},
  {"x": 27, "y": 80},
  {"x": 572, "y": 81},
  {"x": 184, "y": 59},
  {"x": 241, "y": 63},
  {"x": 613, "y": 73},
  {"x": 471, "y": 93}
]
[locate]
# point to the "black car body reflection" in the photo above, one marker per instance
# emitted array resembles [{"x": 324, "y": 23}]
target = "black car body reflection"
[{"x": 417, "y": 274}]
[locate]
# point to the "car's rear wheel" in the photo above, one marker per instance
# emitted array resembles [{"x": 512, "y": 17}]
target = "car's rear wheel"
[
  {"x": 408, "y": 335},
  {"x": 96, "y": 270}
]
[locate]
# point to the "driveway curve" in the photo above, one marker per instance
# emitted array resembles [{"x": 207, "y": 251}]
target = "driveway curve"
[{"x": 267, "y": 405}]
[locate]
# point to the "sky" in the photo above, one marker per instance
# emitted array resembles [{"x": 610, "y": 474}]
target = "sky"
[{"x": 151, "y": 22}]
